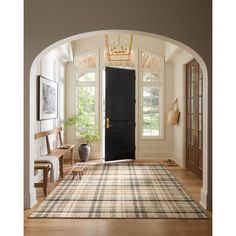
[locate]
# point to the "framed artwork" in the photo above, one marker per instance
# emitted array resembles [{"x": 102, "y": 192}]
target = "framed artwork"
[{"x": 47, "y": 98}]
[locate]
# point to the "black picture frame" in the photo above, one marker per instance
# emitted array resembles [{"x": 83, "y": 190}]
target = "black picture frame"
[{"x": 47, "y": 98}]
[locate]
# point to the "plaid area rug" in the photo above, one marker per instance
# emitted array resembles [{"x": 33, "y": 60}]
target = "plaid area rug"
[{"x": 120, "y": 190}]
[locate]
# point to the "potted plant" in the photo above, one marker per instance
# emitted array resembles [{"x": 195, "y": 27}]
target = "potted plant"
[{"x": 87, "y": 132}]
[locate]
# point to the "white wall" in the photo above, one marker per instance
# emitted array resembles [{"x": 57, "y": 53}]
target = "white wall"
[
  {"x": 179, "y": 78},
  {"x": 162, "y": 148},
  {"x": 146, "y": 148},
  {"x": 51, "y": 66},
  {"x": 70, "y": 94},
  {"x": 173, "y": 143},
  {"x": 170, "y": 49},
  {"x": 70, "y": 136}
]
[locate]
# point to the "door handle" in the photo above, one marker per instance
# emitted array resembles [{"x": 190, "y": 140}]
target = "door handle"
[{"x": 108, "y": 125}]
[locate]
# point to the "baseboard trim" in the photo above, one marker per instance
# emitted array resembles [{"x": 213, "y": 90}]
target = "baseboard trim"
[
  {"x": 154, "y": 155},
  {"x": 177, "y": 159},
  {"x": 93, "y": 156},
  {"x": 206, "y": 200},
  {"x": 29, "y": 200}
]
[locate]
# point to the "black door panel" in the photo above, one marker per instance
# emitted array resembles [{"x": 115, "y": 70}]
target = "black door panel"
[{"x": 120, "y": 114}]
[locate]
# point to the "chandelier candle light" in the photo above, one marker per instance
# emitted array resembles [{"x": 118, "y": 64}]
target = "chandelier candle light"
[{"x": 118, "y": 48}]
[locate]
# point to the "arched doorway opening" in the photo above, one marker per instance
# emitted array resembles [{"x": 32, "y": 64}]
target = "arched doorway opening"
[{"x": 30, "y": 200}]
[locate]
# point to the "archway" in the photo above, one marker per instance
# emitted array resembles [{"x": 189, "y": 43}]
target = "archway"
[{"x": 30, "y": 200}]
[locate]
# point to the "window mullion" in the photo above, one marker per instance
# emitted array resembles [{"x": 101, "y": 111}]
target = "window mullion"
[
  {"x": 151, "y": 84},
  {"x": 87, "y": 70},
  {"x": 151, "y": 70},
  {"x": 86, "y": 84}
]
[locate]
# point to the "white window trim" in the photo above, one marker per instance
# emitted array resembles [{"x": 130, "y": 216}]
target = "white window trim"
[
  {"x": 160, "y": 85},
  {"x": 94, "y": 84},
  {"x": 86, "y": 83},
  {"x": 87, "y": 70}
]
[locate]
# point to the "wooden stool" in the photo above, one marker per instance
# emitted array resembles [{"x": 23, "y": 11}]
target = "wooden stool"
[{"x": 77, "y": 170}]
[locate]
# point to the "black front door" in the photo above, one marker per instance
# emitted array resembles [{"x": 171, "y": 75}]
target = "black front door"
[{"x": 120, "y": 114}]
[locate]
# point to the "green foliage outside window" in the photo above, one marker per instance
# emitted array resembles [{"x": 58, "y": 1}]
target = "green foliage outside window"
[
  {"x": 84, "y": 119},
  {"x": 151, "y": 119}
]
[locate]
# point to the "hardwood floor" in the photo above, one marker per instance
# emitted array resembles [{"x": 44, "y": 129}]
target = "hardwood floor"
[{"x": 114, "y": 227}]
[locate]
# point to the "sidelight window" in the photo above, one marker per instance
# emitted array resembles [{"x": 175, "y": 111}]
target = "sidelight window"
[
  {"x": 151, "y": 95},
  {"x": 86, "y": 92}
]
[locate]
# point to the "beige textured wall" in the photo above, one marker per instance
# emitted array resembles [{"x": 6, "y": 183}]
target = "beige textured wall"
[{"x": 46, "y": 22}]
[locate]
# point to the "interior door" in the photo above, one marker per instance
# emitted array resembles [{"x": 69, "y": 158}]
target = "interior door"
[
  {"x": 194, "y": 117},
  {"x": 120, "y": 114}
]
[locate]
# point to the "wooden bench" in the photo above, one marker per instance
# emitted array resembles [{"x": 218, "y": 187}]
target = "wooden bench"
[
  {"x": 58, "y": 152},
  {"x": 45, "y": 167}
]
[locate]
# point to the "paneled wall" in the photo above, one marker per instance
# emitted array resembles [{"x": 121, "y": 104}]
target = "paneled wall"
[{"x": 52, "y": 67}]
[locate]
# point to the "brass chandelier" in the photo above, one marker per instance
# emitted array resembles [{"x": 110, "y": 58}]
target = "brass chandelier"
[{"x": 118, "y": 48}]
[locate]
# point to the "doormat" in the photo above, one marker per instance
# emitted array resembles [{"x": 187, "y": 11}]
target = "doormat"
[
  {"x": 170, "y": 162},
  {"x": 120, "y": 190}
]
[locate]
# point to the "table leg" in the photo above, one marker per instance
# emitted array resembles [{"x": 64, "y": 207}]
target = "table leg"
[
  {"x": 72, "y": 156},
  {"x": 45, "y": 180},
  {"x": 61, "y": 165}
]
